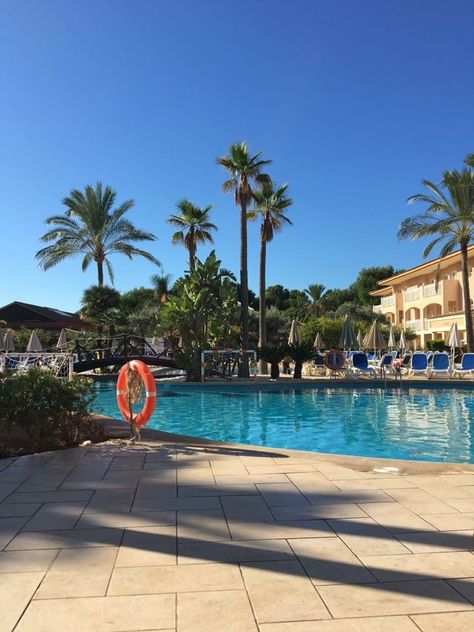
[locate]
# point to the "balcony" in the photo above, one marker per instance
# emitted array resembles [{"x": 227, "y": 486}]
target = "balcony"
[
  {"x": 413, "y": 324},
  {"x": 377, "y": 309},
  {"x": 388, "y": 301},
  {"x": 412, "y": 294},
  {"x": 433, "y": 289}
]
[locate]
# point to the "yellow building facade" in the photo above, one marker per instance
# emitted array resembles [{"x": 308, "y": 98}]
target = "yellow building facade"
[{"x": 428, "y": 298}]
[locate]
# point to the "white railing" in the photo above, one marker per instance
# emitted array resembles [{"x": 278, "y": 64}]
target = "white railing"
[
  {"x": 426, "y": 324},
  {"x": 413, "y": 324},
  {"x": 387, "y": 301},
  {"x": 59, "y": 364},
  {"x": 412, "y": 295},
  {"x": 377, "y": 309},
  {"x": 433, "y": 289}
]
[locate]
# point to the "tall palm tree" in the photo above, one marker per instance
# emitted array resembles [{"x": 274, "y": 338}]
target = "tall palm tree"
[
  {"x": 469, "y": 160},
  {"x": 449, "y": 217},
  {"x": 316, "y": 292},
  {"x": 270, "y": 206},
  {"x": 244, "y": 169},
  {"x": 92, "y": 228},
  {"x": 161, "y": 285},
  {"x": 194, "y": 225}
]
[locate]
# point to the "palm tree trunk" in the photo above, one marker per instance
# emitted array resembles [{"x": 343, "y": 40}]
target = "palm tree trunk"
[
  {"x": 262, "y": 323},
  {"x": 192, "y": 250},
  {"x": 244, "y": 290},
  {"x": 466, "y": 297},
  {"x": 100, "y": 273}
]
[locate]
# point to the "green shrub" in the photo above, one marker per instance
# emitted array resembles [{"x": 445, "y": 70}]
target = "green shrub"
[
  {"x": 47, "y": 411},
  {"x": 436, "y": 345}
]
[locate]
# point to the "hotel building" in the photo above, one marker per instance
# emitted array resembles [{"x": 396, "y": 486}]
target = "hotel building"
[{"x": 428, "y": 298}]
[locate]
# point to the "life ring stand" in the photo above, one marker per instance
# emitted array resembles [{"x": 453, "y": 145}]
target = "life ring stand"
[
  {"x": 137, "y": 366},
  {"x": 334, "y": 360}
]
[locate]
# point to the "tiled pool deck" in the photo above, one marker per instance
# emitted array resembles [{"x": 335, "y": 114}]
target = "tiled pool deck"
[{"x": 197, "y": 537}]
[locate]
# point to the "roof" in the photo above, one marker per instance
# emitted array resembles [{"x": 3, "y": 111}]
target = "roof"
[
  {"x": 25, "y": 314},
  {"x": 423, "y": 267}
]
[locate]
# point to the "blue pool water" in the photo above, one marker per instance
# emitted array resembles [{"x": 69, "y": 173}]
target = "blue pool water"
[{"x": 434, "y": 424}]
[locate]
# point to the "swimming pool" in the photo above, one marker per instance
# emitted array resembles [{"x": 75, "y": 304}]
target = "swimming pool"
[{"x": 428, "y": 424}]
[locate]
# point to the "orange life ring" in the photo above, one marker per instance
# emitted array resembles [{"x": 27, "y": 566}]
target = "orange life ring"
[
  {"x": 150, "y": 390},
  {"x": 334, "y": 360}
]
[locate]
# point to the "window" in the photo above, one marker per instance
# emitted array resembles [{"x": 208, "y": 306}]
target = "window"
[{"x": 452, "y": 306}]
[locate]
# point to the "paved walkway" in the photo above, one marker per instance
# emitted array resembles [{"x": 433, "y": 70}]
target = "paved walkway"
[{"x": 211, "y": 539}]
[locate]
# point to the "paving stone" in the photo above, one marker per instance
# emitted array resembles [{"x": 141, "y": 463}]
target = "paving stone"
[
  {"x": 55, "y": 516},
  {"x": 391, "y": 598},
  {"x": 104, "y": 614},
  {"x": 365, "y": 537},
  {"x": 458, "y": 479},
  {"x": 465, "y": 587},
  {"x": 359, "y": 484},
  {"x": 215, "y": 611},
  {"x": 18, "y": 510},
  {"x": 437, "y": 541},
  {"x": 78, "y": 573},
  {"x": 16, "y": 590},
  {"x": 372, "y": 624},
  {"x": 248, "y": 530},
  {"x": 451, "y": 522},
  {"x": 388, "y": 568},
  {"x": 173, "y": 504},
  {"x": 395, "y": 517},
  {"x": 246, "y": 508},
  {"x": 110, "y": 500},
  {"x": 193, "y": 552},
  {"x": 314, "y": 485},
  {"x": 255, "y": 479},
  {"x": 9, "y": 527},
  {"x": 24, "y": 561},
  {"x": 68, "y": 539},
  {"x": 49, "y": 497},
  {"x": 281, "y": 591},
  {"x": 203, "y": 524},
  {"x": 196, "y": 476},
  {"x": 280, "y": 469},
  {"x": 454, "y": 622},
  {"x": 6, "y": 489},
  {"x": 281, "y": 494},
  {"x": 439, "y": 487},
  {"x": 124, "y": 519},
  {"x": 314, "y": 512},
  {"x": 462, "y": 504},
  {"x": 182, "y": 578},
  {"x": 243, "y": 489},
  {"x": 420, "y": 502},
  {"x": 330, "y": 561},
  {"x": 228, "y": 466},
  {"x": 147, "y": 546}
]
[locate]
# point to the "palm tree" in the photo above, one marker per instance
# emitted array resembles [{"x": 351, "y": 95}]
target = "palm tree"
[
  {"x": 194, "y": 227},
  {"x": 469, "y": 160},
  {"x": 449, "y": 217},
  {"x": 270, "y": 205},
  {"x": 92, "y": 228},
  {"x": 161, "y": 285},
  {"x": 316, "y": 292},
  {"x": 244, "y": 169}
]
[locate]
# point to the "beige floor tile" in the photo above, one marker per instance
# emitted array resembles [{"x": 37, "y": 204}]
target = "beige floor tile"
[
  {"x": 65, "y": 539},
  {"x": 16, "y": 590},
  {"x": 420, "y": 502},
  {"x": 330, "y": 561},
  {"x": 216, "y": 611},
  {"x": 104, "y": 614},
  {"x": 451, "y": 522},
  {"x": 204, "y": 524},
  {"x": 246, "y": 508},
  {"x": 147, "y": 546},
  {"x": 18, "y": 510},
  {"x": 414, "y": 597},
  {"x": 55, "y": 516},
  {"x": 277, "y": 530},
  {"x": 110, "y": 500},
  {"x": 439, "y": 487},
  {"x": 123, "y": 519},
  {"x": 243, "y": 489},
  {"x": 281, "y": 591},
  {"x": 365, "y": 537},
  {"x": 437, "y": 541},
  {"x": 196, "y": 476},
  {"x": 336, "y": 472},
  {"x": 281, "y": 494},
  {"x": 359, "y": 484},
  {"x": 24, "y": 561},
  {"x": 462, "y": 504},
  {"x": 321, "y": 512},
  {"x": 313, "y": 483},
  {"x": 395, "y": 517},
  {"x": 95, "y": 484},
  {"x": 453, "y": 622},
  {"x": 232, "y": 479},
  {"x": 229, "y": 466},
  {"x": 465, "y": 587},
  {"x": 49, "y": 497},
  {"x": 459, "y": 479},
  {"x": 280, "y": 469},
  {"x": 78, "y": 573},
  {"x": 390, "y": 568},
  {"x": 372, "y": 624},
  {"x": 9, "y": 527},
  {"x": 192, "y": 552},
  {"x": 182, "y": 578}
]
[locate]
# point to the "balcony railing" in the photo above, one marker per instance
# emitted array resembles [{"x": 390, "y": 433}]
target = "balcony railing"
[
  {"x": 377, "y": 309},
  {"x": 433, "y": 289},
  {"x": 387, "y": 301},
  {"x": 413, "y": 324},
  {"x": 412, "y": 295}
]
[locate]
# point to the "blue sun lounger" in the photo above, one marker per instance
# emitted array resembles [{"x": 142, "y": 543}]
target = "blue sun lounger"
[
  {"x": 440, "y": 365},
  {"x": 360, "y": 364},
  {"x": 467, "y": 365},
  {"x": 419, "y": 363}
]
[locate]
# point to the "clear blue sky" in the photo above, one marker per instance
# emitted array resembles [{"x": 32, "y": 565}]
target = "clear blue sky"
[{"x": 354, "y": 100}]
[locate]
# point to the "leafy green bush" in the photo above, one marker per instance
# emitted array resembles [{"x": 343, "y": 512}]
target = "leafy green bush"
[
  {"x": 436, "y": 345},
  {"x": 51, "y": 412},
  {"x": 274, "y": 354}
]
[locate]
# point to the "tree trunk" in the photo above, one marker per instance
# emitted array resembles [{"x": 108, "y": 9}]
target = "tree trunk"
[
  {"x": 100, "y": 273},
  {"x": 298, "y": 370},
  {"x": 466, "y": 297},
  {"x": 244, "y": 291},
  {"x": 192, "y": 251},
  {"x": 262, "y": 321},
  {"x": 275, "y": 370}
]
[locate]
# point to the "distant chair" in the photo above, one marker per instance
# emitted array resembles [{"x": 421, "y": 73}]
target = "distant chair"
[
  {"x": 360, "y": 364},
  {"x": 418, "y": 364},
  {"x": 439, "y": 365},
  {"x": 467, "y": 365},
  {"x": 385, "y": 363}
]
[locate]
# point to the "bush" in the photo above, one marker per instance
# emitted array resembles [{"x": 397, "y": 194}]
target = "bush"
[
  {"x": 46, "y": 411},
  {"x": 436, "y": 345}
]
